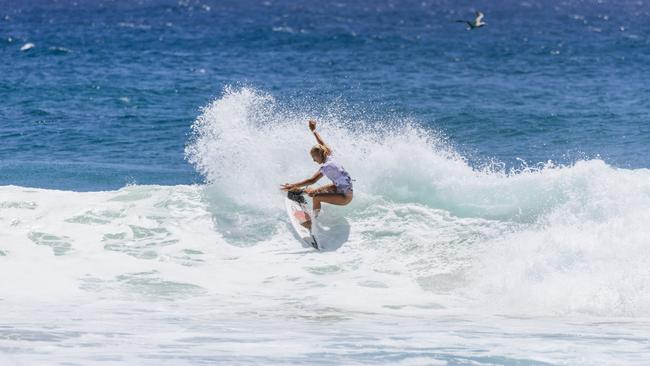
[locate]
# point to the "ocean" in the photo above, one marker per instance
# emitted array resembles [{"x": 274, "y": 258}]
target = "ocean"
[{"x": 502, "y": 182}]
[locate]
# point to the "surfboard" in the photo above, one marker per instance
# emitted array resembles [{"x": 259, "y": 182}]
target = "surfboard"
[{"x": 298, "y": 211}]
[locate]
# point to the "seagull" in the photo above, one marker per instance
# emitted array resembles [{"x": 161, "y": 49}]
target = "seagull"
[{"x": 477, "y": 23}]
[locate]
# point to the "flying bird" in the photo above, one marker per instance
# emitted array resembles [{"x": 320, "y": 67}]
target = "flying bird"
[{"x": 477, "y": 23}]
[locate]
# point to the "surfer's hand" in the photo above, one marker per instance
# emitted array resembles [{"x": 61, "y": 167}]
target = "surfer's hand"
[
  {"x": 312, "y": 125},
  {"x": 287, "y": 187},
  {"x": 310, "y": 192}
]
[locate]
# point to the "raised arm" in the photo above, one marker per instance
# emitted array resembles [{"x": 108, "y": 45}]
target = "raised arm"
[{"x": 312, "y": 127}]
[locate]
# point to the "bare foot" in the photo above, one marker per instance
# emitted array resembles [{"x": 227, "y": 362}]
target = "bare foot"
[
  {"x": 307, "y": 224},
  {"x": 303, "y": 218}
]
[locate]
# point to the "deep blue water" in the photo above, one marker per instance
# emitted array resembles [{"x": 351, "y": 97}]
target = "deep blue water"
[{"x": 109, "y": 91}]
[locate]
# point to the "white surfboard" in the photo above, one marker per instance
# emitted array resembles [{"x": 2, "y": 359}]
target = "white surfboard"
[{"x": 296, "y": 210}]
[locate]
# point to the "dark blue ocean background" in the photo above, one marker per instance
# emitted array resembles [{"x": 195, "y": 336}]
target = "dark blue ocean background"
[{"x": 108, "y": 92}]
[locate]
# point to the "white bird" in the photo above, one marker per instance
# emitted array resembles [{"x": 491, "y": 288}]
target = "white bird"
[{"x": 477, "y": 23}]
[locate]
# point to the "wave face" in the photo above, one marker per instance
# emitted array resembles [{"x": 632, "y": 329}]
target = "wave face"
[{"x": 426, "y": 232}]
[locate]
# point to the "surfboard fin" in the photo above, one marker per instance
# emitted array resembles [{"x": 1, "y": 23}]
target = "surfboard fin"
[{"x": 314, "y": 243}]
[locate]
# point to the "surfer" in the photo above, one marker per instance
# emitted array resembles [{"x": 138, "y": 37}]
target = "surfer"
[{"x": 339, "y": 192}]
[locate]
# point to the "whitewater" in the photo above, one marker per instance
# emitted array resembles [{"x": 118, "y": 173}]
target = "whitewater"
[{"x": 436, "y": 261}]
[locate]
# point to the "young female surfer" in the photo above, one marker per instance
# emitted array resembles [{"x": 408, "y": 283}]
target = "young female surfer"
[{"x": 337, "y": 193}]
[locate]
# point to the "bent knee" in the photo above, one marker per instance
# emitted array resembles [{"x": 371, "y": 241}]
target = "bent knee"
[{"x": 347, "y": 198}]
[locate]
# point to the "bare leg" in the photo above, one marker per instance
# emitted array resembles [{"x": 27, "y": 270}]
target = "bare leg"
[
  {"x": 329, "y": 195},
  {"x": 333, "y": 198}
]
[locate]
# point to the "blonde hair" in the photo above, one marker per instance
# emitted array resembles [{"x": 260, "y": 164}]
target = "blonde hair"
[{"x": 323, "y": 150}]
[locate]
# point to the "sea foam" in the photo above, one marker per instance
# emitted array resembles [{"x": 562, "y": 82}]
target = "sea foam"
[{"x": 426, "y": 232}]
